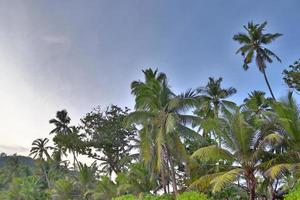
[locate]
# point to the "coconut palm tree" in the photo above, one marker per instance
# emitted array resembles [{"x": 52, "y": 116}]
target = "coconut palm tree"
[
  {"x": 253, "y": 42},
  {"x": 212, "y": 98},
  {"x": 288, "y": 115},
  {"x": 212, "y": 103},
  {"x": 61, "y": 122},
  {"x": 40, "y": 149},
  {"x": 65, "y": 189},
  {"x": 159, "y": 110},
  {"x": 257, "y": 104},
  {"x": 67, "y": 137},
  {"x": 245, "y": 144}
]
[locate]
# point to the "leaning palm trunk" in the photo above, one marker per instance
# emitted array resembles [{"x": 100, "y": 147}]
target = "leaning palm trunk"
[
  {"x": 262, "y": 67},
  {"x": 268, "y": 84}
]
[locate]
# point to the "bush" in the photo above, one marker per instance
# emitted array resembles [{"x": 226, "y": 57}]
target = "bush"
[
  {"x": 126, "y": 197},
  {"x": 192, "y": 196},
  {"x": 162, "y": 197},
  {"x": 232, "y": 193},
  {"x": 293, "y": 194}
]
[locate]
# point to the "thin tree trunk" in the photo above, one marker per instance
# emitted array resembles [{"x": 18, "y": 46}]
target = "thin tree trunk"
[
  {"x": 173, "y": 175},
  {"x": 163, "y": 177},
  {"x": 46, "y": 175},
  {"x": 268, "y": 84},
  {"x": 75, "y": 160}
]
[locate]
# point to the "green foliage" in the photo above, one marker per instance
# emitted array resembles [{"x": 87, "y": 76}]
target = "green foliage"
[
  {"x": 157, "y": 197},
  {"x": 64, "y": 189},
  {"x": 195, "y": 140},
  {"x": 110, "y": 140},
  {"x": 292, "y": 76},
  {"x": 253, "y": 44},
  {"x": 192, "y": 196},
  {"x": 26, "y": 188},
  {"x": 293, "y": 194},
  {"x": 232, "y": 193},
  {"x": 126, "y": 197},
  {"x": 105, "y": 189}
]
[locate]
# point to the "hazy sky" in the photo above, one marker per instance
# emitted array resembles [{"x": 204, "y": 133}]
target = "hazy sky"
[{"x": 79, "y": 54}]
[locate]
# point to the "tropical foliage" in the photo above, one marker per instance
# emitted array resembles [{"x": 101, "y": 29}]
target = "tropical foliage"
[{"x": 194, "y": 145}]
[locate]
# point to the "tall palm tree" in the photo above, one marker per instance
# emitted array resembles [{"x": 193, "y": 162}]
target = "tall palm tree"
[
  {"x": 159, "y": 110},
  {"x": 67, "y": 137},
  {"x": 253, "y": 42},
  {"x": 245, "y": 144},
  {"x": 212, "y": 103},
  {"x": 288, "y": 114},
  {"x": 61, "y": 122},
  {"x": 257, "y": 104},
  {"x": 40, "y": 149},
  {"x": 212, "y": 98}
]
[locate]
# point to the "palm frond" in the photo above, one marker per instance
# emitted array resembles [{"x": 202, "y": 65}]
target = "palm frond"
[
  {"x": 213, "y": 153},
  {"x": 279, "y": 170},
  {"x": 204, "y": 182},
  {"x": 226, "y": 178}
]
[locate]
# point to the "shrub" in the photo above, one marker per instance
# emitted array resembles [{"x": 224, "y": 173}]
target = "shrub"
[
  {"x": 232, "y": 193},
  {"x": 126, "y": 197},
  {"x": 293, "y": 194},
  {"x": 192, "y": 196},
  {"x": 162, "y": 197}
]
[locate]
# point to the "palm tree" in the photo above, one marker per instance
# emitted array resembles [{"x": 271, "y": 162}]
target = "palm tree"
[
  {"x": 245, "y": 143},
  {"x": 105, "y": 189},
  {"x": 257, "y": 104},
  {"x": 40, "y": 149},
  {"x": 64, "y": 189},
  {"x": 252, "y": 46},
  {"x": 213, "y": 98},
  {"x": 86, "y": 175},
  {"x": 67, "y": 137},
  {"x": 212, "y": 103},
  {"x": 61, "y": 122},
  {"x": 288, "y": 116},
  {"x": 159, "y": 110}
]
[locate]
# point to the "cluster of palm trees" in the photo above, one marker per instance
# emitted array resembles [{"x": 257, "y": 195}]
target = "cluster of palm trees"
[{"x": 198, "y": 140}]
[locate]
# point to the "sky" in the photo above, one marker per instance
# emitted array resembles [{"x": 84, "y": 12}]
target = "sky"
[{"x": 77, "y": 55}]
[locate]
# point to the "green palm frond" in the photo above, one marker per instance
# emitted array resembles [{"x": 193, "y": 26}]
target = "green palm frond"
[
  {"x": 289, "y": 117},
  {"x": 273, "y": 139},
  {"x": 213, "y": 153},
  {"x": 279, "y": 170},
  {"x": 226, "y": 178},
  {"x": 204, "y": 182},
  {"x": 139, "y": 117}
]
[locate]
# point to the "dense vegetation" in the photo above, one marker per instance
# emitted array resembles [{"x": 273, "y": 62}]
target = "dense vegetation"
[{"x": 188, "y": 146}]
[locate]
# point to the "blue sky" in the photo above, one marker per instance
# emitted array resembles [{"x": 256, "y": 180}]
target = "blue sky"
[{"x": 80, "y": 54}]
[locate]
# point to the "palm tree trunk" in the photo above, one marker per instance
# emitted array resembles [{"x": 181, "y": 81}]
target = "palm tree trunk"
[
  {"x": 163, "y": 177},
  {"x": 173, "y": 175},
  {"x": 46, "y": 175},
  {"x": 75, "y": 161},
  {"x": 268, "y": 84},
  {"x": 251, "y": 185}
]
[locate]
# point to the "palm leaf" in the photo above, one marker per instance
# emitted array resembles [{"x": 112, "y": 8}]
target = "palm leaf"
[
  {"x": 221, "y": 181},
  {"x": 212, "y": 153}
]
